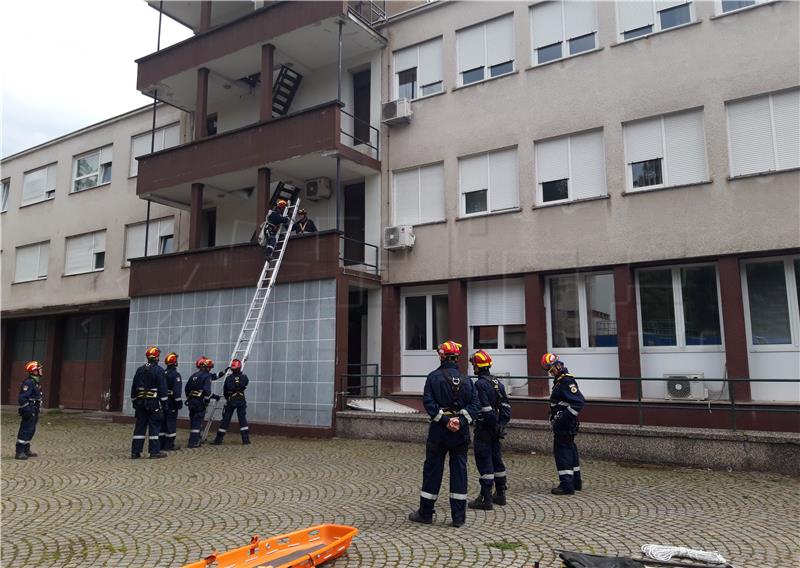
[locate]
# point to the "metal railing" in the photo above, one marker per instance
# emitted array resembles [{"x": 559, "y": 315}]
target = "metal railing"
[
  {"x": 372, "y": 267},
  {"x": 371, "y": 12},
  {"x": 642, "y": 404},
  {"x": 357, "y": 140}
]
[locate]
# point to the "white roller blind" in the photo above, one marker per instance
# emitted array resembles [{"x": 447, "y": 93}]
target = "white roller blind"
[
  {"x": 165, "y": 137},
  {"x": 140, "y": 145},
  {"x": 33, "y": 186},
  {"x": 106, "y": 154},
  {"x": 79, "y": 254},
  {"x": 166, "y": 227},
  {"x": 581, "y": 18},
  {"x": 406, "y": 197},
  {"x": 134, "y": 241},
  {"x": 405, "y": 59},
  {"x": 547, "y": 28},
  {"x": 750, "y": 135},
  {"x": 471, "y": 48},
  {"x": 430, "y": 62},
  {"x": 50, "y": 185},
  {"x": 552, "y": 160},
  {"x": 431, "y": 193},
  {"x": 588, "y": 165},
  {"x": 786, "y": 118},
  {"x": 496, "y": 302},
  {"x": 643, "y": 140},
  {"x": 666, "y": 4},
  {"x": 473, "y": 173},
  {"x": 634, "y": 14},
  {"x": 686, "y": 148},
  {"x": 503, "y": 180},
  {"x": 44, "y": 257},
  {"x": 171, "y": 137},
  {"x": 99, "y": 244},
  {"x": 31, "y": 262},
  {"x": 500, "y": 40}
]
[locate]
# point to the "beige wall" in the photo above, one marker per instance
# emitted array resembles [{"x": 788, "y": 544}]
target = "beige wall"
[
  {"x": 701, "y": 65},
  {"x": 109, "y": 207}
]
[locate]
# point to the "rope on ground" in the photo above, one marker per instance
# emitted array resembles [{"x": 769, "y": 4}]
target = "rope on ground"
[{"x": 662, "y": 552}]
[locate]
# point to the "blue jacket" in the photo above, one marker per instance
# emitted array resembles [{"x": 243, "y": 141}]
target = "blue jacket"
[
  {"x": 173, "y": 378},
  {"x": 493, "y": 402},
  {"x": 274, "y": 220},
  {"x": 200, "y": 384},
  {"x": 30, "y": 394},
  {"x": 566, "y": 396},
  {"x": 235, "y": 384},
  {"x": 149, "y": 382},
  {"x": 448, "y": 393}
]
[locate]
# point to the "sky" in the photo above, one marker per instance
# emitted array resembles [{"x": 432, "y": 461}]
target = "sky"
[{"x": 66, "y": 64}]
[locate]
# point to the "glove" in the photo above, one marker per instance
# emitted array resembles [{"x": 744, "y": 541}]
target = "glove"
[
  {"x": 222, "y": 372},
  {"x": 178, "y": 404},
  {"x": 214, "y": 397}
]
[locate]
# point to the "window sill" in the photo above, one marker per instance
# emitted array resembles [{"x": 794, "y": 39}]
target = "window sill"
[
  {"x": 28, "y": 281},
  {"x": 687, "y": 349},
  {"x": 573, "y": 202},
  {"x": 82, "y": 273},
  {"x": 586, "y": 351},
  {"x": 32, "y": 203},
  {"x": 432, "y": 95},
  {"x": 429, "y": 223},
  {"x": 106, "y": 184},
  {"x": 628, "y": 192},
  {"x": 745, "y": 9},
  {"x": 659, "y": 32},
  {"x": 775, "y": 348},
  {"x": 767, "y": 173},
  {"x": 491, "y": 214},
  {"x": 509, "y": 74},
  {"x": 562, "y": 59}
]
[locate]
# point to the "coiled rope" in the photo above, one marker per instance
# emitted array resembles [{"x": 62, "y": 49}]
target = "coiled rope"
[{"x": 661, "y": 552}]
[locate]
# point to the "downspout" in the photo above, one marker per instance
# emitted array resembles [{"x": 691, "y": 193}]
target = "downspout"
[{"x": 153, "y": 130}]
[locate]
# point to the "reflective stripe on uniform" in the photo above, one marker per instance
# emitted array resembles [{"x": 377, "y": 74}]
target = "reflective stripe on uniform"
[
  {"x": 163, "y": 398},
  {"x": 222, "y": 430},
  {"x": 194, "y": 431},
  {"x": 505, "y": 404},
  {"x": 170, "y": 435},
  {"x": 564, "y": 472},
  {"x": 563, "y": 403},
  {"x": 152, "y": 437},
  {"x": 426, "y": 495},
  {"x": 486, "y": 409},
  {"x": 487, "y": 476},
  {"x": 459, "y": 496},
  {"x": 572, "y": 410},
  {"x": 499, "y": 473},
  {"x": 244, "y": 428},
  {"x": 466, "y": 415},
  {"x": 438, "y": 415},
  {"x": 139, "y": 437},
  {"x": 23, "y": 441},
  {"x": 576, "y": 468}
]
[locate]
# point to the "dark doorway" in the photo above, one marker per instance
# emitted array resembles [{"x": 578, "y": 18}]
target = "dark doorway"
[
  {"x": 208, "y": 238},
  {"x": 85, "y": 377},
  {"x": 354, "y": 220},
  {"x": 361, "y": 107},
  {"x": 356, "y": 323}
]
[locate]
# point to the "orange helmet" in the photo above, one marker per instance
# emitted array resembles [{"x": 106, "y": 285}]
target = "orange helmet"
[
  {"x": 201, "y": 362},
  {"x": 152, "y": 353},
  {"x": 481, "y": 359},
  {"x": 171, "y": 359},
  {"x": 549, "y": 360},
  {"x": 34, "y": 368},
  {"x": 449, "y": 350},
  {"x": 209, "y": 363},
  {"x": 236, "y": 365},
  {"x": 281, "y": 204},
  {"x": 301, "y": 212}
]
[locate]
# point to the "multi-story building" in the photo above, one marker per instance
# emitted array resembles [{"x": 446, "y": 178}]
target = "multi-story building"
[{"x": 71, "y": 222}]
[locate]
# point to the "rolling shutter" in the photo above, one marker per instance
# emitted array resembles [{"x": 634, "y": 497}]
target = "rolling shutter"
[
  {"x": 588, "y": 165},
  {"x": 686, "y": 148},
  {"x": 471, "y": 48},
  {"x": 750, "y": 133},
  {"x": 546, "y": 24},
  {"x": 503, "y": 180},
  {"x": 500, "y": 40}
]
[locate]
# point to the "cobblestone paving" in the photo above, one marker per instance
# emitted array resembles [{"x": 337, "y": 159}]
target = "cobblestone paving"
[{"x": 82, "y": 502}]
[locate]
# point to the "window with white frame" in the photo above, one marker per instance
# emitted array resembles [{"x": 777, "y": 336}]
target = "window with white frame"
[
  {"x": 418, "y": 195},
  {"x": 562, "y": 28},
  {"x": 636, "y": 18},
  {"x": 92, "y": 169},
  {"x": 418, "y": 70},
  {"x": 679, "y": 307},
  {"x": 425, "y": 324},
  {"x": 165, "y": 137},
  {"x": 486, "y": 50},
  {"x": 488, "y": 182},
  {"x": 85, "y": 253},
  {"x": 496, "y": 314},
  {"x": 764, "y": 133},
  {"x": 160, "y": 238},
  {"x": 31, "y": 262},
  {"x": 570, "y": 168},
  {"x": 772, "y": 293},
  {"x": 5, "y": 187},
  {"x": 581, "y": 311},
  {"x": 665, "y": 151},
  {"x": 39, "y": 185},
  {"x": 725, "y": 6}
]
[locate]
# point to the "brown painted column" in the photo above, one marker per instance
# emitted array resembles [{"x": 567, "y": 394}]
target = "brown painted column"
[
  {"x": 535, "y": 333},
  {"x": 733, "y": 326},
  {"x": 201, "y": 105},
  {"x": 205, "y": 16},
  {"x": 267, "y": 68},
  {"x": 5, "y": 361},
  {"x": 627, "y": 330},
  {"x": 51, "y": 385},
  {"x": 390, "y": 338},
  {"x": 342, "y": 322},
  {"x": 262, "y": 194},
  {"x": 457, "y": 319},
  {"x": 196, "y": 218}
]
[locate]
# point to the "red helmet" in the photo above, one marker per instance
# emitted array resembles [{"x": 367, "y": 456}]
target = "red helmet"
[
  {"x": 236, "y": 365},
  {"x": 152, "y": 353},
  {"x": 449, "y": 350},
  {"x": 171, "y": 359},
  {"x": 209, "y": 363},
  {"x": 34, "y": 368},
  {"x": 548, "y": 360},
  {"x": 281, "y": 204},
  {"x": 201, "y": 362},
  {"x": 481, "y": 359}
]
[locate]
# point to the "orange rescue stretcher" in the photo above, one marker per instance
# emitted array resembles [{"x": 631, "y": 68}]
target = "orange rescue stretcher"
[{"x": 300, "y": 549}]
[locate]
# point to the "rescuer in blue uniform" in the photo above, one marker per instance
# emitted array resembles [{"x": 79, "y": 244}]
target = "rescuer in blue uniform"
[
  {"x": 494, "y": 414},
  {"x": 566, "y": 402},
  {"x": 30, "y": 404},
  {"x": 233, "y": 390},
  {"x": 452, "y": 404},
  {"x": 174, "y": 403},
  {"x": 275, "y": 218},
  {"x": 149, "y": 396},
  {"x": 304, "y": 225},
  {"x": 198, "y": 394}
]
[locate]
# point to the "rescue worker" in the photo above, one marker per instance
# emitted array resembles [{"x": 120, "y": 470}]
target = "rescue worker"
[
  {"x": 149, "y": 396},
  {"x": 174, "y": 403},
  {"x": 275, "y": 218},
  {"x": 233, "y": 390},
  {"x": 452, "y": 404},
  {"x": 493, "y": 416},
  {"x": 566, "y": 402},
  {"x": 304, "y": 224},
  {"x": 30, "y": 405},
  {"x": 198, "y": 394}
]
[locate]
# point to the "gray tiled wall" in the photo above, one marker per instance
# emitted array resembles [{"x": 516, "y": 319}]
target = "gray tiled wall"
[{"x": 291, "y": 364}]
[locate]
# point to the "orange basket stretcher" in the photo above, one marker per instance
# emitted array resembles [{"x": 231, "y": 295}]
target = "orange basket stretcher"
[{"x": 300, "y": 549}]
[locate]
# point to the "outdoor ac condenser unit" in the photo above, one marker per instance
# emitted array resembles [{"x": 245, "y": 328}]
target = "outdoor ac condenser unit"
[
  {"x": 399, "y": 237},
  {"x": 686, "y": 387},
  {"x": 396, "y": 112},
  {"x": 318, "y": 188}
]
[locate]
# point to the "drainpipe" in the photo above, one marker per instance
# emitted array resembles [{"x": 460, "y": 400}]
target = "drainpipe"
[
  {"x": 153, "y": 131},
  {"x": 338, "y": 99}
]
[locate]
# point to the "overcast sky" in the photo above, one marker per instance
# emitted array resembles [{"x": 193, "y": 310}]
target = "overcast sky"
[{"x": 66, "y": 64}]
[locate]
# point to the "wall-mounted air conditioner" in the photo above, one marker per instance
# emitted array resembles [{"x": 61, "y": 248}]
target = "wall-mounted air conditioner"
[
  {"x": 396, "y": 112},
  {"x": 399, "y": 237},
  {"x": 686, "y": 387},
  {"x": 318, "y": 188}
]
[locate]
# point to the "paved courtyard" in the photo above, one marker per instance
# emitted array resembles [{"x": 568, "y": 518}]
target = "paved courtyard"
[{"x": 82, "y": 502}]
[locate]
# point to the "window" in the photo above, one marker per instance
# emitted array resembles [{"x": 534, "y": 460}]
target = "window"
[
  {"x": 30, "y": 340},
  {"x": 165, "y": 137},
  {"x": 666, "y": 151},
  {"x": 562, "y": 28},
  {"x": 418, "y": 70},
  {"x": 39, "y": 185},
  {"x": 419, "y": 195},
  {"x": 764, "y": 133},
  {"x": 5, "y": 186},
  {"x": 85, "y": 253},
  {"x": 31, "y": 262},
  {"x": 570, "y": 167},
  {"x": 679, "y": 307},
  {"x": 773, "y": 301},
  {"x": 160, "y": 238},
  {"x": 636, "y": 18},
  {"x": 92, "y": 169},
  {"x": 496, "y": 314},
  {"x": 85, "y": 338},
  {"x": 489, "y": 182},
  {"x": 426, "y": 325},
  {"x": 486, "y": 50},
  {"x": 581, "y": 311},
  {"x": 726, "y": 6}
]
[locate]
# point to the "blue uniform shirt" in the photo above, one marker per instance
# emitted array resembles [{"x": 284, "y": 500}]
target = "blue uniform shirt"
[
  {"x": 235, "y": 383},
  {"x": 173, "y": 379},
  {"x": 149, "y": 378},
  {"x": 199, "y": 382},
  {"x": 30, "y": 393},
  {"x": 492, "y": 400},
  {"x": 443, "y": 400},
  {"x": 566, "y": 396}
]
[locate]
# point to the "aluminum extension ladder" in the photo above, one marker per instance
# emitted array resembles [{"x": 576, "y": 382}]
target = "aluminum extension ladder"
[{"x": 266, "y": 281}]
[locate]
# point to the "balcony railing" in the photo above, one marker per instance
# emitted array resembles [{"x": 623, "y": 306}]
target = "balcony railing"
[
  {"x": 359, "y": 128},
  {"x": 371, "y": 12}
]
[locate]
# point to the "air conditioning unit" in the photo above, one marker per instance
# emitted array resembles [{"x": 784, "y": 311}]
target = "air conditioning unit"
[
  {"x": 686, "y": 387},
  {"x": 396, "y": 112},
  {"x": 399, "y": 237},
  {"x": 318, "y": 188}
]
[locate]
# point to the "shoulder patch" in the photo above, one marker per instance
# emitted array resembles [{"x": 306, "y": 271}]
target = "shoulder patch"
[
  {"x": 24, "y": 387},
  {"x": 573, "y": 388}
]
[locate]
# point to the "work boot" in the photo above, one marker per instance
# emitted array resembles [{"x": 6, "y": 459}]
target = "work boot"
[
  {"x": 577, "y": 481},
  {"x": 560, "y": 490},
  {"x": 459, "y": 523},
  {"x": 158, "y": 455},
  {"x": 499, "y": 498},
  {"x": 29, "y": 453},
  {"x": 217, "y": 441},
  {"x": 415, "y": 517},
  {"x": 172, "y": 448},
  {"x": 483, "y": 502},
  {"x": 21, "y": 456},
  {"x": 245, "y": 442},
  {"x": 135, "y": 456}
]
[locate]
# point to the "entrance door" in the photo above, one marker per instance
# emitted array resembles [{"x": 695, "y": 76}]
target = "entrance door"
[
  {"x": 356, "y": 326},
  {"x": 361, "y": 107},
  {"x": 85, "y": 376},
  {"x": 354, "y": 220}
]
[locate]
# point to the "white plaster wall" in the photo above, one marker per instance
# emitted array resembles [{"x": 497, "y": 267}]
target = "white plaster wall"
[
  {"x": 236, "y": 219},
  {"x": 591, "y": 364},
  {"x": 775, "y": 365},
  {"x": 515, "y": 364},
  {"x": 710, "y": 363},
  {"x": 236, "y": 111},
  {"x": 374, "y": 326},
  {"x": 420, "y": 363}
]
